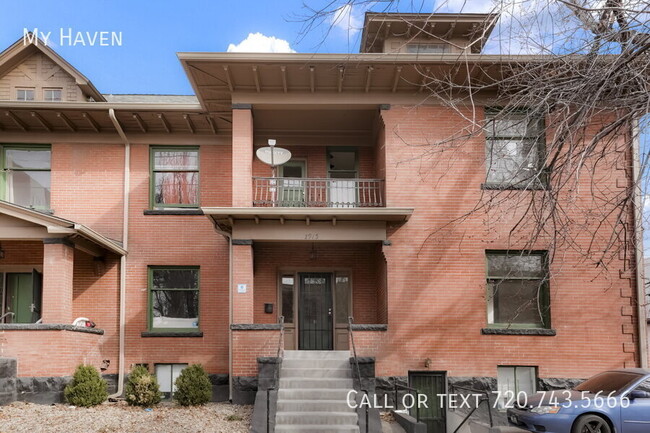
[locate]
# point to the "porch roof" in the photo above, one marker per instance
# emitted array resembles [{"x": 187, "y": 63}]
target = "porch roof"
[
  {"x": 84, "y": 238},
  {"x": 226, "y": 216}
]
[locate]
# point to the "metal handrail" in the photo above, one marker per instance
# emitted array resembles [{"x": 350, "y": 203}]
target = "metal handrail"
[
  {"x": 317, "y": 192},
  {"x": 356, "y": 361},
  {"x": 276, "y": 373},
  {"x": 8, "y": 313},
  {"x": 486, "y": 399},
  {"x": 417, "y": 398}
]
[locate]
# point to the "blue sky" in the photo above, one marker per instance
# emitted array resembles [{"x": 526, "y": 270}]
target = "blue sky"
[{"x": 154, "y": 31}]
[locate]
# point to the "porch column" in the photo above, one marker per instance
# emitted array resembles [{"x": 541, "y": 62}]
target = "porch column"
[
  {"x": 242, "y": 290},
  {"x": 242, "y": 155},
  {"x": 58, "y": 263}
]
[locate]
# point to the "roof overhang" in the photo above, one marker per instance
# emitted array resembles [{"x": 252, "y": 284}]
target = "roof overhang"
[
  {"x": 220, "y": 78},
  {"x": 307, "y": 224},
  {"x": 28, "y": 224},
  {"x": 475, "y": 29}
]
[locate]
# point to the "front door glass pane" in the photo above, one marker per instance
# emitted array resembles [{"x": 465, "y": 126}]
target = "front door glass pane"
[
  {"x": 287, "y": 298},
  {"x": 315, "y": 311},
  {"x": 342, "y": 296}
]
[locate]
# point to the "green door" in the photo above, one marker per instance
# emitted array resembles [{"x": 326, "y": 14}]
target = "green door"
[
  {"x": 432, "y": 384},
  {"x": 315, "y": 330},
  {"x": 292, "y": 184},
  {"x": 23, "y": 296}
]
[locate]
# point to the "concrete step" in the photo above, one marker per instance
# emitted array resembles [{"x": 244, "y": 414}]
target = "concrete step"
[
  {"x": 319, "y": 418},
  {"x": 316, "y": 363},
  {"x": 339, "y": 405},
  {"x": 317, "y": 354},
  {"x": 315, "y": 428},
  {"x": 321, "y": 383},
  {"x": 334, "y": 373},
  {"x": 313, "y": 394}
]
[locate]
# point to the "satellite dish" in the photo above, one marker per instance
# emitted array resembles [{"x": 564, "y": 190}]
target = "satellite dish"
[{"x": 273, "y": 156}]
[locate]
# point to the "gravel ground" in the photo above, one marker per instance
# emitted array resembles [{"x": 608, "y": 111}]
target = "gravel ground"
[{"x": 118, "y": 417}]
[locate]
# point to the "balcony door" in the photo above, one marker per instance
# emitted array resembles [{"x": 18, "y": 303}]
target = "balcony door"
[
  {"x": 342, "y": 165},
  {"x": 22, "y": 298},
  {"x": 292, "y": 184}
]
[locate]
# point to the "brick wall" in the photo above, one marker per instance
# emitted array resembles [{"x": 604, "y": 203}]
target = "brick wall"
[{"x": 248, "y": 346}]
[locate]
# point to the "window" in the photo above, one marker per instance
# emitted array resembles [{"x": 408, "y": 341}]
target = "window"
[
  {"x": 174, "y": 298},
  {"x": 518, "y": 293},
  {"x": 174, "y": 177},
  {"x": 166, "y": 374},
  {"x": 25, "y": 94},
  {"x": 52, "y": 95},
  {"x": 514, "y": 149},
  {"x": 27, "y": 176},
  {"x": 417, "y": 48},
  {"x": 513, "y": 380},
  {"x": 643, "y": 387},
  {"x": 287, "y": 283}
]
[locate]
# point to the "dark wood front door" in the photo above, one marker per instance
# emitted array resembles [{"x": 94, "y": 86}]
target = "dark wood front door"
[{"x": 315, "y": 312}]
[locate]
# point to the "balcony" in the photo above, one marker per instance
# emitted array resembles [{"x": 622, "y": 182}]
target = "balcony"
[{"x": 317, "y": 192}]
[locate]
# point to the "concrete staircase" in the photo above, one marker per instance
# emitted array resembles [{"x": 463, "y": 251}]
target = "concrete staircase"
[{"x": 312, "y": 396}]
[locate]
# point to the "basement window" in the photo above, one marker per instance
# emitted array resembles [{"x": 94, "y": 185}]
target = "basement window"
[
  {"x": 513, "y": 382},
  {"x": 517, "y": 289},
  {"x": 166, "y": 374},
  {"x": 174, "y": 177},
  {"x": 174, "y": 298}
]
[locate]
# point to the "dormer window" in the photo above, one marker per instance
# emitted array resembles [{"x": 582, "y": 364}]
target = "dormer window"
[
  {"x": 52, "y": 95},
  {"x": 420, "y": 48},
  {"x": 25, "y": 94}
]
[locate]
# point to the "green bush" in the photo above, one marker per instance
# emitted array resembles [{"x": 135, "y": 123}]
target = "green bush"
[
  {"x": 142, "y": 388},
  {"x": 193, "y": 386},
  {"x": 87, "y": 387}
]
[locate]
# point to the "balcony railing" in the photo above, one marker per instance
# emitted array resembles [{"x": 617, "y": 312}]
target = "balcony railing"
[{"x": 311, "y": 192}]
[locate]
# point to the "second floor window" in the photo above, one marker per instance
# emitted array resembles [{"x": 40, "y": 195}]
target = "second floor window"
[
  {"x": 518, "y": 292},
  {"x": 174, "y": 177},
  {"x": 26, "y": 175},
  {"x": 514, "y": 149},
  {"x": 25, "y": 94}
]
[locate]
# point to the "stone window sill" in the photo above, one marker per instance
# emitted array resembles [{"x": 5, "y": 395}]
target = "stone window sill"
[
  {"x": 519, "y": 331},
  {"x": 181, "y": 334},
  {"x": 179, "y": 211}
]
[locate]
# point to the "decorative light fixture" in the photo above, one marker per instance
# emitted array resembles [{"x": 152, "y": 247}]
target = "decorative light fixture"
[
  {"x": 313, "y": 254},
  {"x": 2, "y": 252}
]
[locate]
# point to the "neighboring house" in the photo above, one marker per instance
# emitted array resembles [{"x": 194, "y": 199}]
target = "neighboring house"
[{"x": 152, "y": 217}]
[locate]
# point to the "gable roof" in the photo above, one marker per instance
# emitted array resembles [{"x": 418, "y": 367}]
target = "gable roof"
[
  {"x": 24, "y": 48},
  {"x": 60, "y": 226}
]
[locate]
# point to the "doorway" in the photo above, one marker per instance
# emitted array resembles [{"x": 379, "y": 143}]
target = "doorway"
[
  {"x": 433, "y": 384},
  {"x": 23, "y": 295},
  {"x": 315, "y": 327},
  {"x": 292, "y": 191}
]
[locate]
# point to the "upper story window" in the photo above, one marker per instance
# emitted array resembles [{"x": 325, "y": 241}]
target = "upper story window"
[
  {"x": 518, "y": 292},
  {"x": 26, "y": 176},
  {"x": 514, "y": 149},
  {"x": 52, "y": 95},
  {"x": 174, "y": 177},
  {"x": 422, "y": 48},
  {"x": 25, "y": 94}
]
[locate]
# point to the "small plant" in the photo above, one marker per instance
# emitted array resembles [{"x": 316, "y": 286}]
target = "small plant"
[
  {"x": 87, "y": 387},
  {"x": 193, "y": 386},
  {"x": 142, "y": 388},
  {"x": 234, "y": 417}
]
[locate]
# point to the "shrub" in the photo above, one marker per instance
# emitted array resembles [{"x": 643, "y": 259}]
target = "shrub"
[
  {"x": 142, "y": 388},
  {"x": 87, "y": 387},
  {"x": 193, "y": 386}
]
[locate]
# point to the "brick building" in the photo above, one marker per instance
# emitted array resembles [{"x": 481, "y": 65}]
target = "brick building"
[{"x": 152, "y": 217}]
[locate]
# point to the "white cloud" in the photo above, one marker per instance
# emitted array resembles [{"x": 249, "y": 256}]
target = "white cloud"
[
  {"x": 346, "y": 18},
  {"x": 259, "y": 43}
]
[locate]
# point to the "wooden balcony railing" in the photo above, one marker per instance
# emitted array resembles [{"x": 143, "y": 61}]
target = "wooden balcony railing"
[{"x": 310, "y": 192}]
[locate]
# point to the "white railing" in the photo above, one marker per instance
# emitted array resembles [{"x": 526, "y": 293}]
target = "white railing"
[{"x": 311, "y": 192}]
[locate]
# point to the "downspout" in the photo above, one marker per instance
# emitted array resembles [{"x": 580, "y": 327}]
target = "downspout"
[
  {"x": 638, "y": 233},
  {"x": 125, "y": 245},
  {"x": 228, "y": 236}
]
